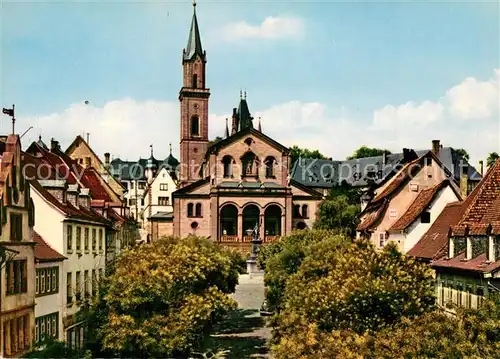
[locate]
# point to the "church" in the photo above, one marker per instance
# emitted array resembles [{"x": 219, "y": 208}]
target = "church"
[{"x": 230, "y": 186}]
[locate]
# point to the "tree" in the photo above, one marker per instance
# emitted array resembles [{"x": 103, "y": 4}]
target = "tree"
[
  {"x": 297, "y": 152},
  {"x": 338, "y": 214},
  {"x": 492, "y": 158},
  {"x": 365, "y": 151},
  {"x": 463, "y": 154},
  {"x": 162, "y": 298},
  {"x": 344, "y": 285},
  {"x": 214, "y": 141}
]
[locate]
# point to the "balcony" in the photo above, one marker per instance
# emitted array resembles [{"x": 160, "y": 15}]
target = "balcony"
[{"x": 245, "y": 239}]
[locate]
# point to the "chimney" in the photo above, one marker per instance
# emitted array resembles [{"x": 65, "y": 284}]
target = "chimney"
[
  {"x": 406, "y": 154},
  {"x": 384, "y": 157},
  {"x": 464, "y": 179},
  {"x": 436, "y": 147},
  {"x": 84, "y": 198},
  {"x": 72, "y": 194},
  {"x": 481, "y": 167},
  {"x": 54, "y": 145}
]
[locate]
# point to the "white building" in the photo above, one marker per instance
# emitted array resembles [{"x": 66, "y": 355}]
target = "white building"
[
  {"x": 68, "y": 224},
  {"x": 50, "y": 305}
]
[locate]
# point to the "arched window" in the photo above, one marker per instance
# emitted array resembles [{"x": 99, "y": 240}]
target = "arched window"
[
  {"x": 304, "y": 211},
  {"x": 195, "y": 81},
  {"x": 190, "y": 210},
  {"x": 250, "y": 163},
  {"x": 270, "y": 161},
  {"x": 195, "y": 126},
  {"x": 296, "y": 211},
  {"x": 228, "y": 166},
  {"x": 198, "y": 209}
]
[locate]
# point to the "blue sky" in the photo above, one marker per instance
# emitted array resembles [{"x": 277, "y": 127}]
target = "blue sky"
[{"x": 336, "y": 64}]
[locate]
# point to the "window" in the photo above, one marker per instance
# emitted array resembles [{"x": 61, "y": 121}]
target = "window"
[
  {"x": 248, "y": 141},
  {"x": 270, "y": 162},
  {"x": 16, "y": 273},
  {"x": 94, "y": 282},
  {"x": 194, "y": 225},
  {"x": 382, "y": 237},
  {"x": 460, "y": 295},
  {"x": 37, "y": 283},
  {"x": 142, "y": 185},
  {"x": 163, "y": 201},
  {"x": 249, "y": 162},
  {"x": 393, "y": 214},
  {"x": 163, "y": 186},
  {"x": 16, "y": 227},
  {"x": 195, "y": 81},
  {"x": 142, "y": 201},
  {"x": 132, "y": 185},
  {"x": 78, "y": 288},
  {"x": 468, "y": 303},
  {"x": 74, "y": 337},
  {"x": 227, "y": 162},
  {"x": 428, "y": 161},
  {"x": 94, "y": 239},
  {"x": 86, "y": 292},
  {"x": 296, "y": 211},
  {"x": 190, "y": 210},
  {"x": 304, "y": 211},
  {"x": 442, "y": 300},
  {"x": 198, "y": 210},
  {"x": 100, "y": 239},
  {"x": 86, "y": 239},
  {"x": 78, "y": 239},
  {"x": 69, "y": 238},
  {"x": 69, "y": 288},
  {"x": 132, "y": 202},
  {"x": 195, "y": 126},
  {"x": 46, "y": 326},
  {"x": 425, "y": 217},
  {"x": 16, "y": 335}
]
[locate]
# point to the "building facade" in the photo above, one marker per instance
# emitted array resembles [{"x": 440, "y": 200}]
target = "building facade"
[
  {"x": 17, "y": 275},
  {"x": 238, "y": 184},
  {"x": 49, "y": 301},
  {"x": 406, "y": 206}
]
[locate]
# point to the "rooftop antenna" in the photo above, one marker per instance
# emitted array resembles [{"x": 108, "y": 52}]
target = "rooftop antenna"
[{"x": 88, "y": 138}]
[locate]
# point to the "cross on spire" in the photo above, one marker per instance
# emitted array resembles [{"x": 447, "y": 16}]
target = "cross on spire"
[
  {"x": 151, "y": 146},
  {"x": 170, "y": 147}
]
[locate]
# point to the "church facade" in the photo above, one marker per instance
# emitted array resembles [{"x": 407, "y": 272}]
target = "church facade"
[{"x": 230, "y": 186}]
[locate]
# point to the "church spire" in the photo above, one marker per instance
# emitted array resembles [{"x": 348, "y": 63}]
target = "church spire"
[
  {"x": 194, "y": 41},
  {"x": 226, "y": 133},
  {"x": 260, "y": 126}
]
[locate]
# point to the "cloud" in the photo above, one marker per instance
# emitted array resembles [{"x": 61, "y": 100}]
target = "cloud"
[
  {"x": 271, "y": 28},
  {"x": 127, "y": 127},
  {"x": 473, "y": 99},
  {"x": 470, "y": 100}
]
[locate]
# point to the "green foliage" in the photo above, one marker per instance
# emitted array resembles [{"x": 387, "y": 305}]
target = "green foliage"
[
  {"x": 365, "y": 151},
  {"x": 463, "y": 154},
  {"x": 214, "y": 141},
  {"x": 284, "y": 257},
  {"x": 338, "y": 214},
  {"x": 296, "y": 152},
  {"x": 50, "y": 348},
  {"x": 492, "y": 158},
  {"x": 161, "y": 299}
]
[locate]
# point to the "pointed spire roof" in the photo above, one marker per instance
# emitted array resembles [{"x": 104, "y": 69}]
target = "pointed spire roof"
[
  {"x": 226, "y": 133},
  {"x": 245, "y": 119},
  {"x": 194, "y": 41}
]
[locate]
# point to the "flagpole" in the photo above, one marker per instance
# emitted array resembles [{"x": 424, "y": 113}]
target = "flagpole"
[{"x": 13, "y": 118}]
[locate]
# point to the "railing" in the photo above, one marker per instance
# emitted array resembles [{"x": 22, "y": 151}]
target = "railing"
[{"x": 245, "y": 239}]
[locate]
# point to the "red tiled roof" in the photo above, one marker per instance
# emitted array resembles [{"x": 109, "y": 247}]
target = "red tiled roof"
[
  {"x": 90, "y": 179},
  {"x": 435, "y": 240},
  {"x": 482, "y": 206},
  {"x": 373, "y": 215},
  {"x": 44, "y": 252},
  {"x": 424, "y": 198},
  {"x": 477, "y": 264}
]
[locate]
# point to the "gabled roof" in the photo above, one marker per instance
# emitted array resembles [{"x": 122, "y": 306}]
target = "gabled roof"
[
  {"x": 373, "y": 215},
  {"x": 435, "y": 240},
  {"x": 478, "y": 264},
  {"x": 423, "y": 200},
  {"x": 482, "y": 206},
  {"x": 44, "y": 252},
  {"x": 92, "y": 181},
  {"x": 191, "y": 186},
  {"x": 240, "y": 134}
]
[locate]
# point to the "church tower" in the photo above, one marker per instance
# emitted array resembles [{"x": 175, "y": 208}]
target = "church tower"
[{"x": 193, "y": 98}]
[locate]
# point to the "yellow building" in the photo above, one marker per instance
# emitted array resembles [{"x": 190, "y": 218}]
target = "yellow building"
[{"x": 17, "y": 275}]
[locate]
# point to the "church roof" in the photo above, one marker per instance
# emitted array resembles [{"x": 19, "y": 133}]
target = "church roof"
[
  {"x": 194, "y": 41},
  {"x": 245, "y": 119}
]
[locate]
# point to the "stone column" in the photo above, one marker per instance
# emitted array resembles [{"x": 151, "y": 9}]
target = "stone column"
[
  {"x": 240, "y": 225},
  {"x": 261, "y": 226}
]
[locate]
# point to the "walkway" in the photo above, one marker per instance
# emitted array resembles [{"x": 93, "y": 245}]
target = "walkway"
[{"x": 243, "y": 334}]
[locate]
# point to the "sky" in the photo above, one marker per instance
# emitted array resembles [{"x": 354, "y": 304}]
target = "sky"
[{"x": 323, "y": 75}]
